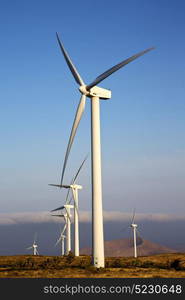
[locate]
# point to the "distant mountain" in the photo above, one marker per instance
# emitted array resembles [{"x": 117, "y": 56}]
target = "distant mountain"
[{"x": 124, "y": 247}]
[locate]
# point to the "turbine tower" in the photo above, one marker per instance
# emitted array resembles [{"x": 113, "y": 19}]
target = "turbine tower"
[
  {"x": 34, "y": 247},
  {"x": 134, "y": 227},
  {"x": 95, "y": 93},
  {"x": 74, "y": 187}
]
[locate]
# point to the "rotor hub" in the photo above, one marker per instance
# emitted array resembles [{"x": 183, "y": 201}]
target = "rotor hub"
[
  {"x": 84, "y": 91},
  {"x": 95, "y": 91},
  {"x": 76, "y": 186},
  {"x": 134, "y": 225}
]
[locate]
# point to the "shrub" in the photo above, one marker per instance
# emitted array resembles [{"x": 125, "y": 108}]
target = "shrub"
[
  {"x": 93, "y": 269},
  {"x": 70, "y": 257},
  {"x": 83, "y": 263},
  {"x": 90, "y": 269},
  {"x": 176, "y": 264},
  {"x": 116, "y": 263}
]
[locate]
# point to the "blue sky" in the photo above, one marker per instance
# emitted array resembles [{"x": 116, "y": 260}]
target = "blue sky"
[{"x": 143, "y": 145}]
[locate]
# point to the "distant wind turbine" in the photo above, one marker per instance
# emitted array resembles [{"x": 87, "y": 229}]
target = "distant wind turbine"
[
  {"x": 34, "y": 247},
  {"x": 134, "y": 227},
  {"x": 62, "y": 240},
  {"x": 136, "y": 233},
  {"x": 95, "y": 93},
  {"x": 74, "y": 187},
  {"x": 67, "y": 218}
]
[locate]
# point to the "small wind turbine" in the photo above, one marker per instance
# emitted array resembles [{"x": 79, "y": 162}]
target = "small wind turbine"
[
  {"x": 134, "y": 227},
  {"x": 74, "y": 187},
  {"x": 67, "y": 218},
  {"x": 34, "y": 247},
  {"x": 95, "y": 93},
  {"x": 62, "y": 240}
]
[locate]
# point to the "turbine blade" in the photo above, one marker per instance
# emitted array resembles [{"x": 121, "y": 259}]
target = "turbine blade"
[
  {"x": 57, "y": 216},
  {"x": 116, "y": 68},
  {"x": 80, "y": 169},
  {"x": 29, "y": 248},
  {"x": 58, "y": 185},
  {"x": 67, "y": 196},
  {"x": 138, "y": 236},
  {"x": 58, "y": 241},
  {"x": 68, "y": 192},
  {"x": 138, "y": 233},
  {"x": 69, "y": 202},
  {"x": 77, "y": 119},
  {"x": 35, "y": 237},
  {"x": 71, "y": 66},
  {"x": 73, "y": 181},
  {"x": 58, "y": 208},
  {"x": 64, "y": 228},
  {"x": 68, "y": 214},
  {"x": 133, "y": 217}
]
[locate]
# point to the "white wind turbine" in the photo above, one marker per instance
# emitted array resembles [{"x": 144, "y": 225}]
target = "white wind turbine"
[
  {"x": 74, "y": 187},
  {"x": 67, "y": 218},
  {"x": 134, "y": 228},
  {"x": 95, "y": 93},
  {"x": 34, "y": 247},
  {"x": 65, "y": 227},
  {"x": 135, "y": 231},
  {"x": 62, "y": 240}
]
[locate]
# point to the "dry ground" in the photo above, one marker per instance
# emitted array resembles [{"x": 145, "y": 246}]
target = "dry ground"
[{"x": 157, "y": 266}]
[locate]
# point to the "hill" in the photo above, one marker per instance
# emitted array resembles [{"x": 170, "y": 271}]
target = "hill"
[{"x": 124, "y": 247}]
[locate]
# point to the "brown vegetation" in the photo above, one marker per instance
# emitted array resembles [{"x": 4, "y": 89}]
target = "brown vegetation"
[{"x": 162, "y": 265}]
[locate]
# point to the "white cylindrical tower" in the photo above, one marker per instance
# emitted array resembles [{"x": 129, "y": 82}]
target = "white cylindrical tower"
[
  {"x": 97, "y": 212},
  {"x": 135, "y": 242},
  {"x": 68, "y": 235},
  {"x": 76, "y": 222},
  {"x": 62, "y": 245},
  {"x": 34, "y": 250}
]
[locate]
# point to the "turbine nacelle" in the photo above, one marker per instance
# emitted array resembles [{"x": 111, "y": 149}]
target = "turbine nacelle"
[
  {"x": 68, "y": 206},
  {"x": 133, "y": 225},
  {"x": 76, "y": 186},
  {"x": 95, "y": 91}
]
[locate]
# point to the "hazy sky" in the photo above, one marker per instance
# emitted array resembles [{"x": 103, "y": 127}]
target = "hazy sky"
[
  {"x": 143, "y": 145},
  {"x": 17, "y": 230}
]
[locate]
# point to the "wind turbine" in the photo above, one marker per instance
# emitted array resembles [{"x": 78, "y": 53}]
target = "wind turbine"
[
  {"x": 134, "y": 228},
  {"x": 67, "y": 218},
  {"x": 135, "y": 231},
  {"x": 65, "y": 226},
  {"x": 62, "y": 240},
  {"x": 95, "y": 93},
  {"x": 34, "y": 247},
  {"x": 74, "y": 187}
]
